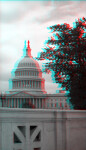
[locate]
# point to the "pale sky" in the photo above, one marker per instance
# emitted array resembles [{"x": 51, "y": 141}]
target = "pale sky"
[{"x": 28, "y": 20}]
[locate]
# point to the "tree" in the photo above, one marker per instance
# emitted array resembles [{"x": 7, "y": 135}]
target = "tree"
[{"x": 65, "y": 51}]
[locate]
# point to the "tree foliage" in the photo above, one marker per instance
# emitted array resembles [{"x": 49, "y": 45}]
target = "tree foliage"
[{"x": 66, "y": 52}]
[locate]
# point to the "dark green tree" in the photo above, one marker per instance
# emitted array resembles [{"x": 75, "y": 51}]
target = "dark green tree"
[{"x": 65, "y": 51}]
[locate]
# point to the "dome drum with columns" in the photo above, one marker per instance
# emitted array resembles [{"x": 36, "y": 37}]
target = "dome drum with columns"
[{"x": 28, "y": 87}]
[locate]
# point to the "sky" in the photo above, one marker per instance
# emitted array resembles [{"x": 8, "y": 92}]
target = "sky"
[{"x": 29, "y": 20}]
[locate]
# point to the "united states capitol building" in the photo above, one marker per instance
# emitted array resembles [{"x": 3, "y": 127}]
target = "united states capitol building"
[
  {"x": 28, "y": 87},
  {"x": 31, "y": 119}
]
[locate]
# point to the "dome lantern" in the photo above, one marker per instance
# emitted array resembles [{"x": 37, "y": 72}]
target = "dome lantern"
[{"x": 27, "y": 49}]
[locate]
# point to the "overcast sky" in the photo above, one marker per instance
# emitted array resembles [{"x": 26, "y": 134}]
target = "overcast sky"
[{"x": 28, "y": 20}]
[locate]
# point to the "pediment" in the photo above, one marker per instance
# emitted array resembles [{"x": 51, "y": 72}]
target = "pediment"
[{"x": 21, "y": 94}]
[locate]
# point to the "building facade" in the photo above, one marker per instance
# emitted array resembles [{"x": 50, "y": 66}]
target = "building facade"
[{"x": 28, "y": 87}]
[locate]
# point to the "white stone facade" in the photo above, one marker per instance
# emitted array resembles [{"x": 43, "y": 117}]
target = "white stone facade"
[{"x": 38, "y": 129}]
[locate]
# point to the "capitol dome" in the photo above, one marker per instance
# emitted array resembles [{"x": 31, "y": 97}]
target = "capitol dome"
[
  {"x": 28, "y": 62},
  {"x": 28, "y": 75}
]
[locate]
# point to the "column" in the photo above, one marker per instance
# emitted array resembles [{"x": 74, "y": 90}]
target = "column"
[
  {"x": 39, "y": 103},
  {"x": 36, "y": 103},
  {"x": 32, "y": 83},
  {"x": 10, "y": 103},
  {"x": 47, "y": 103},
  {"x": 39, "y": 84},
  {"x": 33, "y": 101},
  {"x": 13, "y": 103},
  {"x": 17, "y": 103},
  {"x": 42, "y": 103},
  {"x": 20, "y": 102},
  {"x": 35, "y": 84},
  {"x": 24, "y": 100},
  {"x": 28, "y": 83},
  {"x": 21, "y": 83},
  {"x": 17, "y": 84},
  {"x": 58, "y": 103},
  {"x": 51, "y": 103},
  {"x": 43, "y": 84},
  {"x": 13, "y": 84},
  {"x": 63, "y": 103},
  {"x": 55, "y": 103},
  {"x": 25, "y": 84},
  {"x": 7, "y": 102}
]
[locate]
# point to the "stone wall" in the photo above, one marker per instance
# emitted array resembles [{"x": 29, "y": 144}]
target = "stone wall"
[{"x": 38, "y": 129}]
